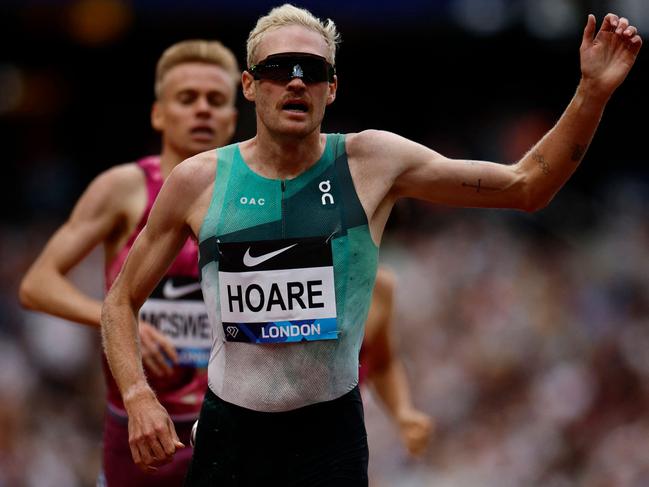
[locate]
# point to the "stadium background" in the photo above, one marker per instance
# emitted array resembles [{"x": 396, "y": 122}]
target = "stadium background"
[{"x": 526, "y": 336}]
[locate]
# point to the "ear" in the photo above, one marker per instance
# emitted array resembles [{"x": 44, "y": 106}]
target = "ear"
[
  {"x": 333, "y": 87},
  {"x": 248, "y": 85},
  {"x": 157, "y": 117}
]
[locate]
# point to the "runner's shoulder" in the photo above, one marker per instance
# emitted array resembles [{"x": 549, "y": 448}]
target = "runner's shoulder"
[
  {"x": 193, "y": 175},
  {"x": 120, "y": 178},
  {"x": 372, "y": 148},
  {"x": 368, "y": 142},
  {"x": 196, "y": 171},
  {"x": 117, "y": 185}
]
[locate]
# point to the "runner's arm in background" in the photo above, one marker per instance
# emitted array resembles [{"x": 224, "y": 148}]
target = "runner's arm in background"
[
  {"x": 388, "y": 375},
  {"x": 46, "y": 286},
  {"x": 98, "y": 216}
]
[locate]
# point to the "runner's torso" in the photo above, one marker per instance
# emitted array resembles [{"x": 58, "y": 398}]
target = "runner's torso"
[
  {"x": 287, "y": 268},
  {"x": 176, "y": 308}
]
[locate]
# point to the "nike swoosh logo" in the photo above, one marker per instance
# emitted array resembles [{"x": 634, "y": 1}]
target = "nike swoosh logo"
[
  {"x": 171, "y": 292},
  {"x": 250, "y": 261}
]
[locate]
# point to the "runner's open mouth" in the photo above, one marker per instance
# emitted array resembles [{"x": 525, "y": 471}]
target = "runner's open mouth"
[
  {"x": 296, "y": 107},
  {"x": 202, "y": 131}
]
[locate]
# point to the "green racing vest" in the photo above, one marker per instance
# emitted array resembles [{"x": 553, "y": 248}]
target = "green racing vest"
[{"x": 287, "y": 271}]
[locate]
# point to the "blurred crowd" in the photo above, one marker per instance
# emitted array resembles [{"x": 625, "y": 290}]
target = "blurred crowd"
[
  {"x": 525, "y": 336},
  {"x": 51, "y": 387}
]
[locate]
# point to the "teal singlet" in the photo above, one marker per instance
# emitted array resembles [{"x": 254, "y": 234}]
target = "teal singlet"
[{"x": 288, "y": 268}]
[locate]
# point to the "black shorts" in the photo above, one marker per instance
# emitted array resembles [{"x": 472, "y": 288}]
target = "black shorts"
[{"x": 322, "y": 445}]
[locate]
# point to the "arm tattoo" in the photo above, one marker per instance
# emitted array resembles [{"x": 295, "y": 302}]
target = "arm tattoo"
[
  {"x": 479, "y": 187},
  {"x": 578, "y": 152},
  {"x": 545, "y": 167}
]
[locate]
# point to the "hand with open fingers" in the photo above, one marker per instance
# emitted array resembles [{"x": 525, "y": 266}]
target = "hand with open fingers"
[
  {"x": 158, "y": 353},
  {"x": 151, "y": 433},
  {"x": 415, "y": 428},
  {"x": 607, "y": 57}
]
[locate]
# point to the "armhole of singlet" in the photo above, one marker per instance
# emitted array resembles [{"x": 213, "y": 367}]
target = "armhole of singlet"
[
  {"x": 207, "y": 233},
  {"x": 354, "y": 212},
  {"x": 337, "y": 143}
]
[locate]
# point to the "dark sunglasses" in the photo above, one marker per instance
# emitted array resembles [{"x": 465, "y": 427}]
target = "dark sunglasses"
[{"x": 285, "y": 66}]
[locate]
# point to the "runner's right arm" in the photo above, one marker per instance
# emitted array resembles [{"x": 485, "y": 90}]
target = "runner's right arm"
[{"x": 152, "y": 436}]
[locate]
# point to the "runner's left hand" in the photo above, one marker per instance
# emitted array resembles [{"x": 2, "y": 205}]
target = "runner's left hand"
[{"x": 607, "y": 57}]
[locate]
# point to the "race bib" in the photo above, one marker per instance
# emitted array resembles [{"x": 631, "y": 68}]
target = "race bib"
[
  {"x": 176, "y": 309},
  {"x": 277, "y": 291}
]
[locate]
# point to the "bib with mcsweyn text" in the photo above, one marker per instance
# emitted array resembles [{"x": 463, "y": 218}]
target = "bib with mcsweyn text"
[
  {"x": 176, "y": 309},
  {"x": 277, "y": 291}
]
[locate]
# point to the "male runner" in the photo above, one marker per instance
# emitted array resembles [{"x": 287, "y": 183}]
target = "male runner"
[
  {"x": 381, "y": 368},
  {"x": 289, "y": 224},
  {"x": 195, "y": 88}
]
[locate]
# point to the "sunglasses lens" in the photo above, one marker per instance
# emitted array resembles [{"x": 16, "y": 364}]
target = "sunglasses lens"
[
  {"x": 311, "y": 69},
  {"x": 314, "y": 70},
  {"x": 276, "y": 71}
]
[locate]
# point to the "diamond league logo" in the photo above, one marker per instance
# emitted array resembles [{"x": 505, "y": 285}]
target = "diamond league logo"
[{"x": 233, "y": 331}]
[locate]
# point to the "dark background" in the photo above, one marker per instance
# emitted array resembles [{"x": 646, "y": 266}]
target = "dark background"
[{"x": 472, "y": 79}]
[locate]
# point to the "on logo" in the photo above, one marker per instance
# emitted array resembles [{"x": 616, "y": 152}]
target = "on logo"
[
  {"x": 326, "y": 198},
  {"x": 233, "y": 331},
  {"x": 244, "y": 200}
]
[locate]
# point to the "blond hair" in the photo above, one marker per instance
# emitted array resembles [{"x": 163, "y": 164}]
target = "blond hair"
[
  {"x": 196, "y": 51},
  {"x": 288, "y": 14}
]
